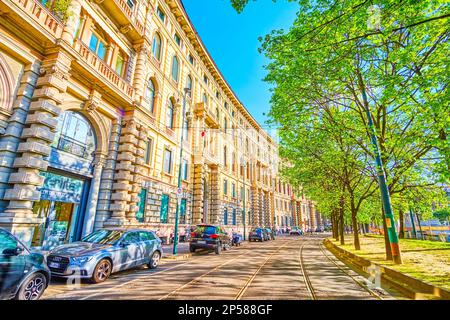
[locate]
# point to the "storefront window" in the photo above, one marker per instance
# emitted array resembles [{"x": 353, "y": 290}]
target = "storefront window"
[{"x": 75, "y": 135}]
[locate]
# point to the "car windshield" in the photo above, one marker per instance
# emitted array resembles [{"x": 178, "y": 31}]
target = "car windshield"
[
  {"x": 103, "y": 237},
  {"x": 205, "y": 229}
]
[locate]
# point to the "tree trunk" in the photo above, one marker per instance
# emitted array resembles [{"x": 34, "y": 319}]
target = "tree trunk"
[
  {"x": 341, "y": 221},
  {"x": 401, "y": 232},
  {"x": 356, "y": 243},
  {"x": 387, "y": 243}
]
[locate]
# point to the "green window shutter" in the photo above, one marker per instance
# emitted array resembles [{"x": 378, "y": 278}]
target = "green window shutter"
[
  {"x": 142, "y": 203},
  {"x": 164, "y": 208}
]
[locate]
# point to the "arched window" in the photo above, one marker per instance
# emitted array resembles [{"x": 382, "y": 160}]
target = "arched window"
[
  {"x": 150, "y": 94},
  {"x": 156, "y": 47},
  {"x": 75, "y": 135},
  {"x": 169, "y": 115},
  {"x": 205, "y": 99},
  {"x": 175, "y": 68}
]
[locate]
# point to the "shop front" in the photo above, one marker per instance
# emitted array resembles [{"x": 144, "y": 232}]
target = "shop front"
[{"x": 67, "y": 182}]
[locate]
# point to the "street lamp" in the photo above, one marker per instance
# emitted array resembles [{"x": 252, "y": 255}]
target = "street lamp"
[{"x": 179, "y": 193}]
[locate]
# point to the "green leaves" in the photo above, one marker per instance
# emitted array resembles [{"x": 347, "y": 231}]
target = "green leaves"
[{"x": 401, "y": 49}]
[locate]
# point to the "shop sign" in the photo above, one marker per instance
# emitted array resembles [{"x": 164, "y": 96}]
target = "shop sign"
[{"x": 61, "y": 188}]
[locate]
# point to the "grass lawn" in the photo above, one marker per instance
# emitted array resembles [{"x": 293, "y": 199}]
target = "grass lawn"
[{"x": 425, "y": 260}]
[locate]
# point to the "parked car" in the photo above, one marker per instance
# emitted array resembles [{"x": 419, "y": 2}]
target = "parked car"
[
  {"x": 237, "y": 239},
  {"x": 105, "y": 251},
  {"x": 206, "y": 236},
  {"x": 296, "y": 231},
  {"x": 23, "y": 274},
  {"x": 256, "y": 234},
  {"x": 319, "y": 229}
]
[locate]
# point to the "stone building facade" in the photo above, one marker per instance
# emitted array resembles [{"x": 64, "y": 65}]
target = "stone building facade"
[{"x": 92, "y": 111}]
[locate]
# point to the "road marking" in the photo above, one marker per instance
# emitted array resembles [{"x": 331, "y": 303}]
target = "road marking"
[
  {"x": 249, "y": 281},
  {"x": 201, "y": 276},
  {"x": 134, "y": 280}
]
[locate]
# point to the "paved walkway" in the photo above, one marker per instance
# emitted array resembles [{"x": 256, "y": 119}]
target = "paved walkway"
[{"x": 290, "y": 267}]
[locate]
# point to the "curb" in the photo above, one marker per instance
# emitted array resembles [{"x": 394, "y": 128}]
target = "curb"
[
  {"x": 184, "y": 256},
  {"x": 411, "y": 287}
]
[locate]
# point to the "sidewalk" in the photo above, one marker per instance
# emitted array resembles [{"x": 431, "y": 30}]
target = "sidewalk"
[{"x": 182, "y": 251}]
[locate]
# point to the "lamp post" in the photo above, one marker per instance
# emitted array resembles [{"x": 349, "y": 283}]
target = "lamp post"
[{"x": 179, "y": 193}]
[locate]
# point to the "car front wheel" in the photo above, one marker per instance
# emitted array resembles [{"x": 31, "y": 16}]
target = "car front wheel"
[
  {"x": 32, "y": 288},
  {"x": 102, "y": 271},
  {"x": 154, "y": 260}
]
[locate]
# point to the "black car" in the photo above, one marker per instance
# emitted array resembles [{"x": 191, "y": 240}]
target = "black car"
[
  {"x": 257, "y": 234},
  {"x": 23, "y": 274},
  {"x": 206, "y": 236}
]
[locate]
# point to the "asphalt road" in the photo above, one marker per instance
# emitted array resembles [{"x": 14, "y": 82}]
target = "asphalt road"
[{"x": 291, "y": 267}]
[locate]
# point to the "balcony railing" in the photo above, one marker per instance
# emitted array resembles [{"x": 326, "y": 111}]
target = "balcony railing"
[
  {"x": 100, "y": 66},
  {"x": 125, "y": 15},
  {"x": 41, "y": 15}
]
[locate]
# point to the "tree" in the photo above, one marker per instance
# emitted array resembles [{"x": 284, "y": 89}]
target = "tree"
[{"x": 391, "y": 57}]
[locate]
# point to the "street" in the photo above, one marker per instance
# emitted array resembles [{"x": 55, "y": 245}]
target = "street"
[{"x": 288, "y": 268}]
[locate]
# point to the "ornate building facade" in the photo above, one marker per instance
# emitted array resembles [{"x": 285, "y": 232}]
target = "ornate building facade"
[{"x": 91, "y": 119}]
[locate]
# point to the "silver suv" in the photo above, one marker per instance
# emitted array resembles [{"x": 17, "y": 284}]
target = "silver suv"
[{"x": 105, "y": 251}]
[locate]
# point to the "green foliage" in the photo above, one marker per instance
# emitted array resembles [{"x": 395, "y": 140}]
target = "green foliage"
[
  {"x": 442, "y": 215},
  {"x": 60, "y": 8},
  {"x": 397, "y": 53}
]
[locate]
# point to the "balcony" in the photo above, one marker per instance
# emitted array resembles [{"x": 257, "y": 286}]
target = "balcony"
[
  {"x": 205, "y": 155},
  {"x": 88, "y": 57},
  {"x": 123, "y": 12},
  {"x": 202, "y": 110},
  {"x": 33, "y": 12}
]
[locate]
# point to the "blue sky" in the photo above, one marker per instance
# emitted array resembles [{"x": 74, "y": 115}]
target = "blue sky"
[{"x": 232, "y": 41}]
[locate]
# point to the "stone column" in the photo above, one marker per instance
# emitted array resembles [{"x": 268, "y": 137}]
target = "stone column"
[
  {"x": 140, "y": 74},
  {"x": 215, "y": 206},
  {"x": 107, "y": 180},
  {"x": 124, "y": 175},
  {"x": 91, "y": 208},
  {"x": 38, "y": 134},
  {"x": 199, "y": 175},
  {"x": 9, "y": 141},
  {"x": 69, "y": 30}
]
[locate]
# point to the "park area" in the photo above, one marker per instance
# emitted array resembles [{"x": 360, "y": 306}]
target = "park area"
[{"x": 425, "y": 260}]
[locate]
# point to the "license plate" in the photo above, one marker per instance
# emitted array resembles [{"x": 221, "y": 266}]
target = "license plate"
[
  {"x": 201, "y": 242},
  {"x": 53, "y": 265}
]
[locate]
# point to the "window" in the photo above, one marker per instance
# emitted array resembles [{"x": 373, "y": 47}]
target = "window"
[
  {"x": 225, "y": 105},
  {"x": 131, "y": 3},
  {"x": 98, "y": 46},
  {"x": 142, "y": 203},
  {"x": 189, "y": 84},
  {"x": 233, "y": 190},
  {"x": 156, "y": 46},
  {"x": 191, "y": 59},
  {"x": 185, "y": 169},
  {"x": 225, "y": 216},
  {"x": 183, "y": 211},
  {"x": 225, "y": 124},
  {"x": 167, "y": 161},
  {"x": 205, "y": 79},
  {"x": 225, "y": 156},
  {"x": 161, "y": 14},
  {"x": 177, "y": 39},
  {"x": 170, "y": 114},
  {"x": 233, "y": 221},
  {"x": 175, "y": 68},
  {"x": 150, "y": 95},
  {"x": 205, "y": 99},
  {"x": 217, "y": 95},
  {"x": 148, "y": 151},
  {"x": 164, "y": 213},
  {"x": 217, "y": 113},
  {"x": 186, "y": 129},
  {"x": 225, "y": 187},
  {"x": 120, "y": 64}
]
